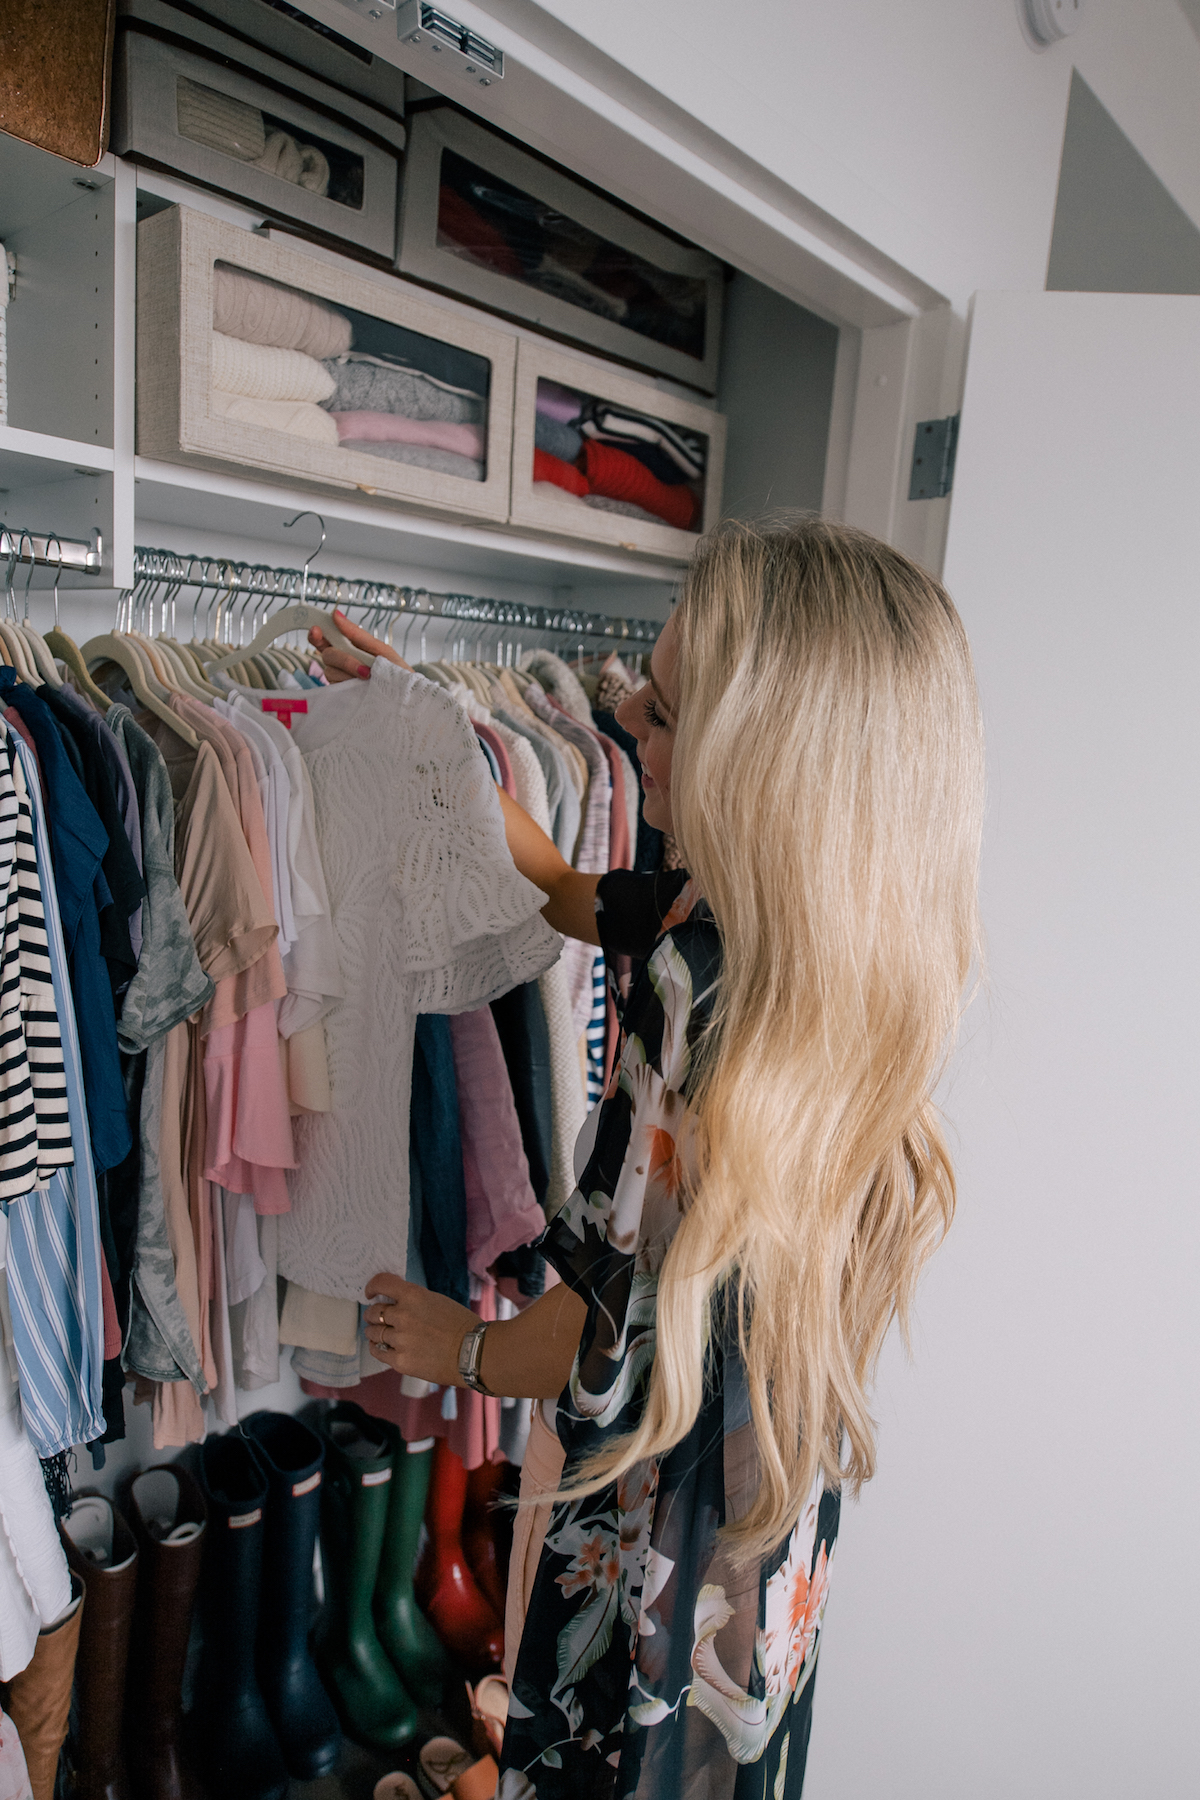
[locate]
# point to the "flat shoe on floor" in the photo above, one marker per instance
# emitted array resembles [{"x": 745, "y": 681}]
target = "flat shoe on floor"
[
  {"x": 443, "y": 1760},
  {"x": 397, "y": 1786}
]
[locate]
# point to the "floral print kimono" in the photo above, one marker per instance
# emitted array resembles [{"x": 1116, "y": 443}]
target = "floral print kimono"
[{"x": 652, "y": 1666}]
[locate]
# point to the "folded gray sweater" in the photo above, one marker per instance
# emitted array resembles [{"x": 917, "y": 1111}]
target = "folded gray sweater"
[{"x": 367, "y": 385}]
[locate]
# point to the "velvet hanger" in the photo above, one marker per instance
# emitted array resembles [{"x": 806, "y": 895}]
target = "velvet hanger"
[{"x": 114, "y": 647}]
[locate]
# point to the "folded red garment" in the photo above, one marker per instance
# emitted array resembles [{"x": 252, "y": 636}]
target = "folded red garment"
[
  {"x": 562, "y": 474},
  {"x": 459, "y": 222},
  {"x": 618, "y": 476}
]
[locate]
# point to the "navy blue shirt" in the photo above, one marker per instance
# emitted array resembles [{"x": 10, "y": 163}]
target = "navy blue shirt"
[{"x": 78, "y": 845}]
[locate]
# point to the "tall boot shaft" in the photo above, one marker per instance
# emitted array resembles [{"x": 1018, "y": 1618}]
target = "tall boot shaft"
[
  {"x": 456, "y": 1607},
  {"x": 359, "y": 1466},
  {"x": 102, "y": 1550},
  {"x": 484, "y": 1486},
  {"x": 165, "y": 1509},
  {"x": 39, "y": 1698},
  {"x": 237, "y": 1741},
  {"x": 405, "y": 1633},
  {"x": 292, "y": 1458}
]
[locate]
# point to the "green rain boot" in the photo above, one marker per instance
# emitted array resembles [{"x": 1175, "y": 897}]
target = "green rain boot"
[
  {"x": 355, "y": 1495},
  {"x": 404, "y": 1631}
]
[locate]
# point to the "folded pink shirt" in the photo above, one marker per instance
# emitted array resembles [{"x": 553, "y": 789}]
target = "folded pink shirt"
[{"x": 394, "y": 428}]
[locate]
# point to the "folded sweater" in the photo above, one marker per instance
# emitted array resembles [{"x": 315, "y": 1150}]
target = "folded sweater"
[
  {"x": 557, "y": 402},
  {"x": 299, "y": 418},
  {"x": 620, "y": 425},
  {"x": 263, "y": 312},
  {"x": 423, "y": 456},
  {"x": 556, "y": 438},
  {"x": 394, "y": 428},
  {"x": 262, "y": 372},
  {"x": 365, "y": 384},
  {"x": 619, "y": 477},
  {"x": 552, "y": 469}
]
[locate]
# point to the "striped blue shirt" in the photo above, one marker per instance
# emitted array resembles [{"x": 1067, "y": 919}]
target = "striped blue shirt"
[{"x": 54, "y": 1284}]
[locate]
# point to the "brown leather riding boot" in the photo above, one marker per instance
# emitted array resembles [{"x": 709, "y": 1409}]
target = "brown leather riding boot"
[
  {"x": 39, "y": 1698},
  {"x": 101, "y": 1549},
  {"x": 166, "y": 1511}
]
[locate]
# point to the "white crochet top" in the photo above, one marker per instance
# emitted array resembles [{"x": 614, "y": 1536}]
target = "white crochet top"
[{"x": 430, "y": 915}]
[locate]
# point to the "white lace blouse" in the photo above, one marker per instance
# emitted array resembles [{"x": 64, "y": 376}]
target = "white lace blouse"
[{"x": 430, "y": 915}]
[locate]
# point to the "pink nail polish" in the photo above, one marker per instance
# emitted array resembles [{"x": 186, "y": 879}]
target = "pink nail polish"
[{"x": 363, "y": 673}]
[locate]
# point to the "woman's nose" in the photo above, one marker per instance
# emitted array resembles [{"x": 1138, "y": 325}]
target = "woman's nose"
[{"x": 631, "y": 713}]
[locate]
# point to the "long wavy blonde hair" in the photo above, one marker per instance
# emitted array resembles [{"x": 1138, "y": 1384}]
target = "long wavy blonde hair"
[{"x": 827, "y": 792}]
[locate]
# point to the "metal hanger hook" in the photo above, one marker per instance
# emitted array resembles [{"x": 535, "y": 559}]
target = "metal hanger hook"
[
  {"x": 14, "y": 556},
  {"x": 33, "y": 560},
  {"x": 57, "y": 573},
  {"x": 287, "y": 525}
]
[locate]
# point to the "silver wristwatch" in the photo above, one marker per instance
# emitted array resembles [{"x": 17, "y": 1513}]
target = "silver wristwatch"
[{"x": 470, "y": 1352}]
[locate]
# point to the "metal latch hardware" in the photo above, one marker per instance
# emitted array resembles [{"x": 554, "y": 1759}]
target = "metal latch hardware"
[
  {"x": 421, "y": 24},
  {"x": 934, "y": 450}
]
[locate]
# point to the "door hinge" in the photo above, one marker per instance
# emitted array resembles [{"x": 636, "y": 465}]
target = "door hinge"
[{"x": 934, "y": 449}]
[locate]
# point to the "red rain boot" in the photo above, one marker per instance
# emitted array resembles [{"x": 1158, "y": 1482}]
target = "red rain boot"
[
  {"x": 446, "y": 1589},
  {"x": 484, "y": 1485}
]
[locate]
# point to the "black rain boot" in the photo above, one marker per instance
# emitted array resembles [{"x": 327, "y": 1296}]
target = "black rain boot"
[
  {"x": 301, "y": 1711},
  {"x": 239, "y": 1749},
  {"x": 374, "y": 1705}
]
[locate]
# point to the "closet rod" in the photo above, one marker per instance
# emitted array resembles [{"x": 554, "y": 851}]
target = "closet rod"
[
  {"x": 84, "y": 554},
  {"x": 230, "y": 581}
]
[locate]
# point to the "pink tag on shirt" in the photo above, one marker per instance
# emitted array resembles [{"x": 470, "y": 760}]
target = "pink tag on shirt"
[{"x": 284, "y": 706}]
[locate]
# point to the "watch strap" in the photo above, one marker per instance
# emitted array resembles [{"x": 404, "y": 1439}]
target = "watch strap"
[{"x": 470, "y": 1354}]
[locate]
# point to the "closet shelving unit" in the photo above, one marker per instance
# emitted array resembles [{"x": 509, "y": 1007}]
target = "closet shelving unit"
[{"x": 68, "y": 460}]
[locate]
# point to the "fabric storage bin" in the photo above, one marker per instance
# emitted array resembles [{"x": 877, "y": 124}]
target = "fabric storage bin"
[
  {"x": 600, "y": 455},
  {"x": 255, "y": 357},
  {"x": 286, "y": 143},
  {"x": 480, "y": 217},
  {"x": 249, "y": 31}
]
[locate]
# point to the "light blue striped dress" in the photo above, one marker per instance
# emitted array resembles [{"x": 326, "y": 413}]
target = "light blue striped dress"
[{"x": 54, "y": 1285}]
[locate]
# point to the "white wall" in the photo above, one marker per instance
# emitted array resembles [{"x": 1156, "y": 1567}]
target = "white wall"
[
  {"x": 929, "y": 129},
  {"x": 1014, "y": 1599}
]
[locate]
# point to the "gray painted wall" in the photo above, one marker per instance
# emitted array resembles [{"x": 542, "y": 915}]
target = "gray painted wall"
[
  {"x": 777, "y": 364},
  {"x": 1116, "y": 228}
]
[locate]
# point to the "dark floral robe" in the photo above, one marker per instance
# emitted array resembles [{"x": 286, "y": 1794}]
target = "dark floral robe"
[{"x": 651, "y": 1665}]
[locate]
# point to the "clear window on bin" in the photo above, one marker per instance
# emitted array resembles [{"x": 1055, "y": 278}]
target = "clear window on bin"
[
  {"x": 348, "y": 379},
  {"x": 591, "y": 452},
  {"x": 490, "y": 222},
  {"x": 289, "y": 152}
]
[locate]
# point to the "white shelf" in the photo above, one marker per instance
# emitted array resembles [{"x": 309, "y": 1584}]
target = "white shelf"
[
  {"x": 166, "y": 493},
  {"x": 32, "y": 459}
]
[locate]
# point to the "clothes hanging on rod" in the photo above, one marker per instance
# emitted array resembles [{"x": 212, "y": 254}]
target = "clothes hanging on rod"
[
  {"x": 219, "y": 586},
  {"x": 219, "y": 989}
]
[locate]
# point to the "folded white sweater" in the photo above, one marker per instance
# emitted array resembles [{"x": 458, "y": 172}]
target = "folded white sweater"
[{"x": 262, "y": 372}]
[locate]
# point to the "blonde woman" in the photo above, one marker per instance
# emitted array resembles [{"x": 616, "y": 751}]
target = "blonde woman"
[{"x": 761, "y": 1183}]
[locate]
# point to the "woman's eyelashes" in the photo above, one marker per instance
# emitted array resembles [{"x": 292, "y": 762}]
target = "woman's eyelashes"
[{"x": 654, "y": 718}]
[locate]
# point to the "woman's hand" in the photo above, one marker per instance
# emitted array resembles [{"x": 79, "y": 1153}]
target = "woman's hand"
[
  {"x": 419, "y": 1333},
  {"x": 340, "y": 665},
  {"x": 414, "y": 1331}
]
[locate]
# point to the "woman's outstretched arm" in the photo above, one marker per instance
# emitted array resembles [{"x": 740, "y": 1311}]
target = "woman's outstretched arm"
[
  {"x": 527, "y": 1358},
  {"x": 571, "y": 907}
]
